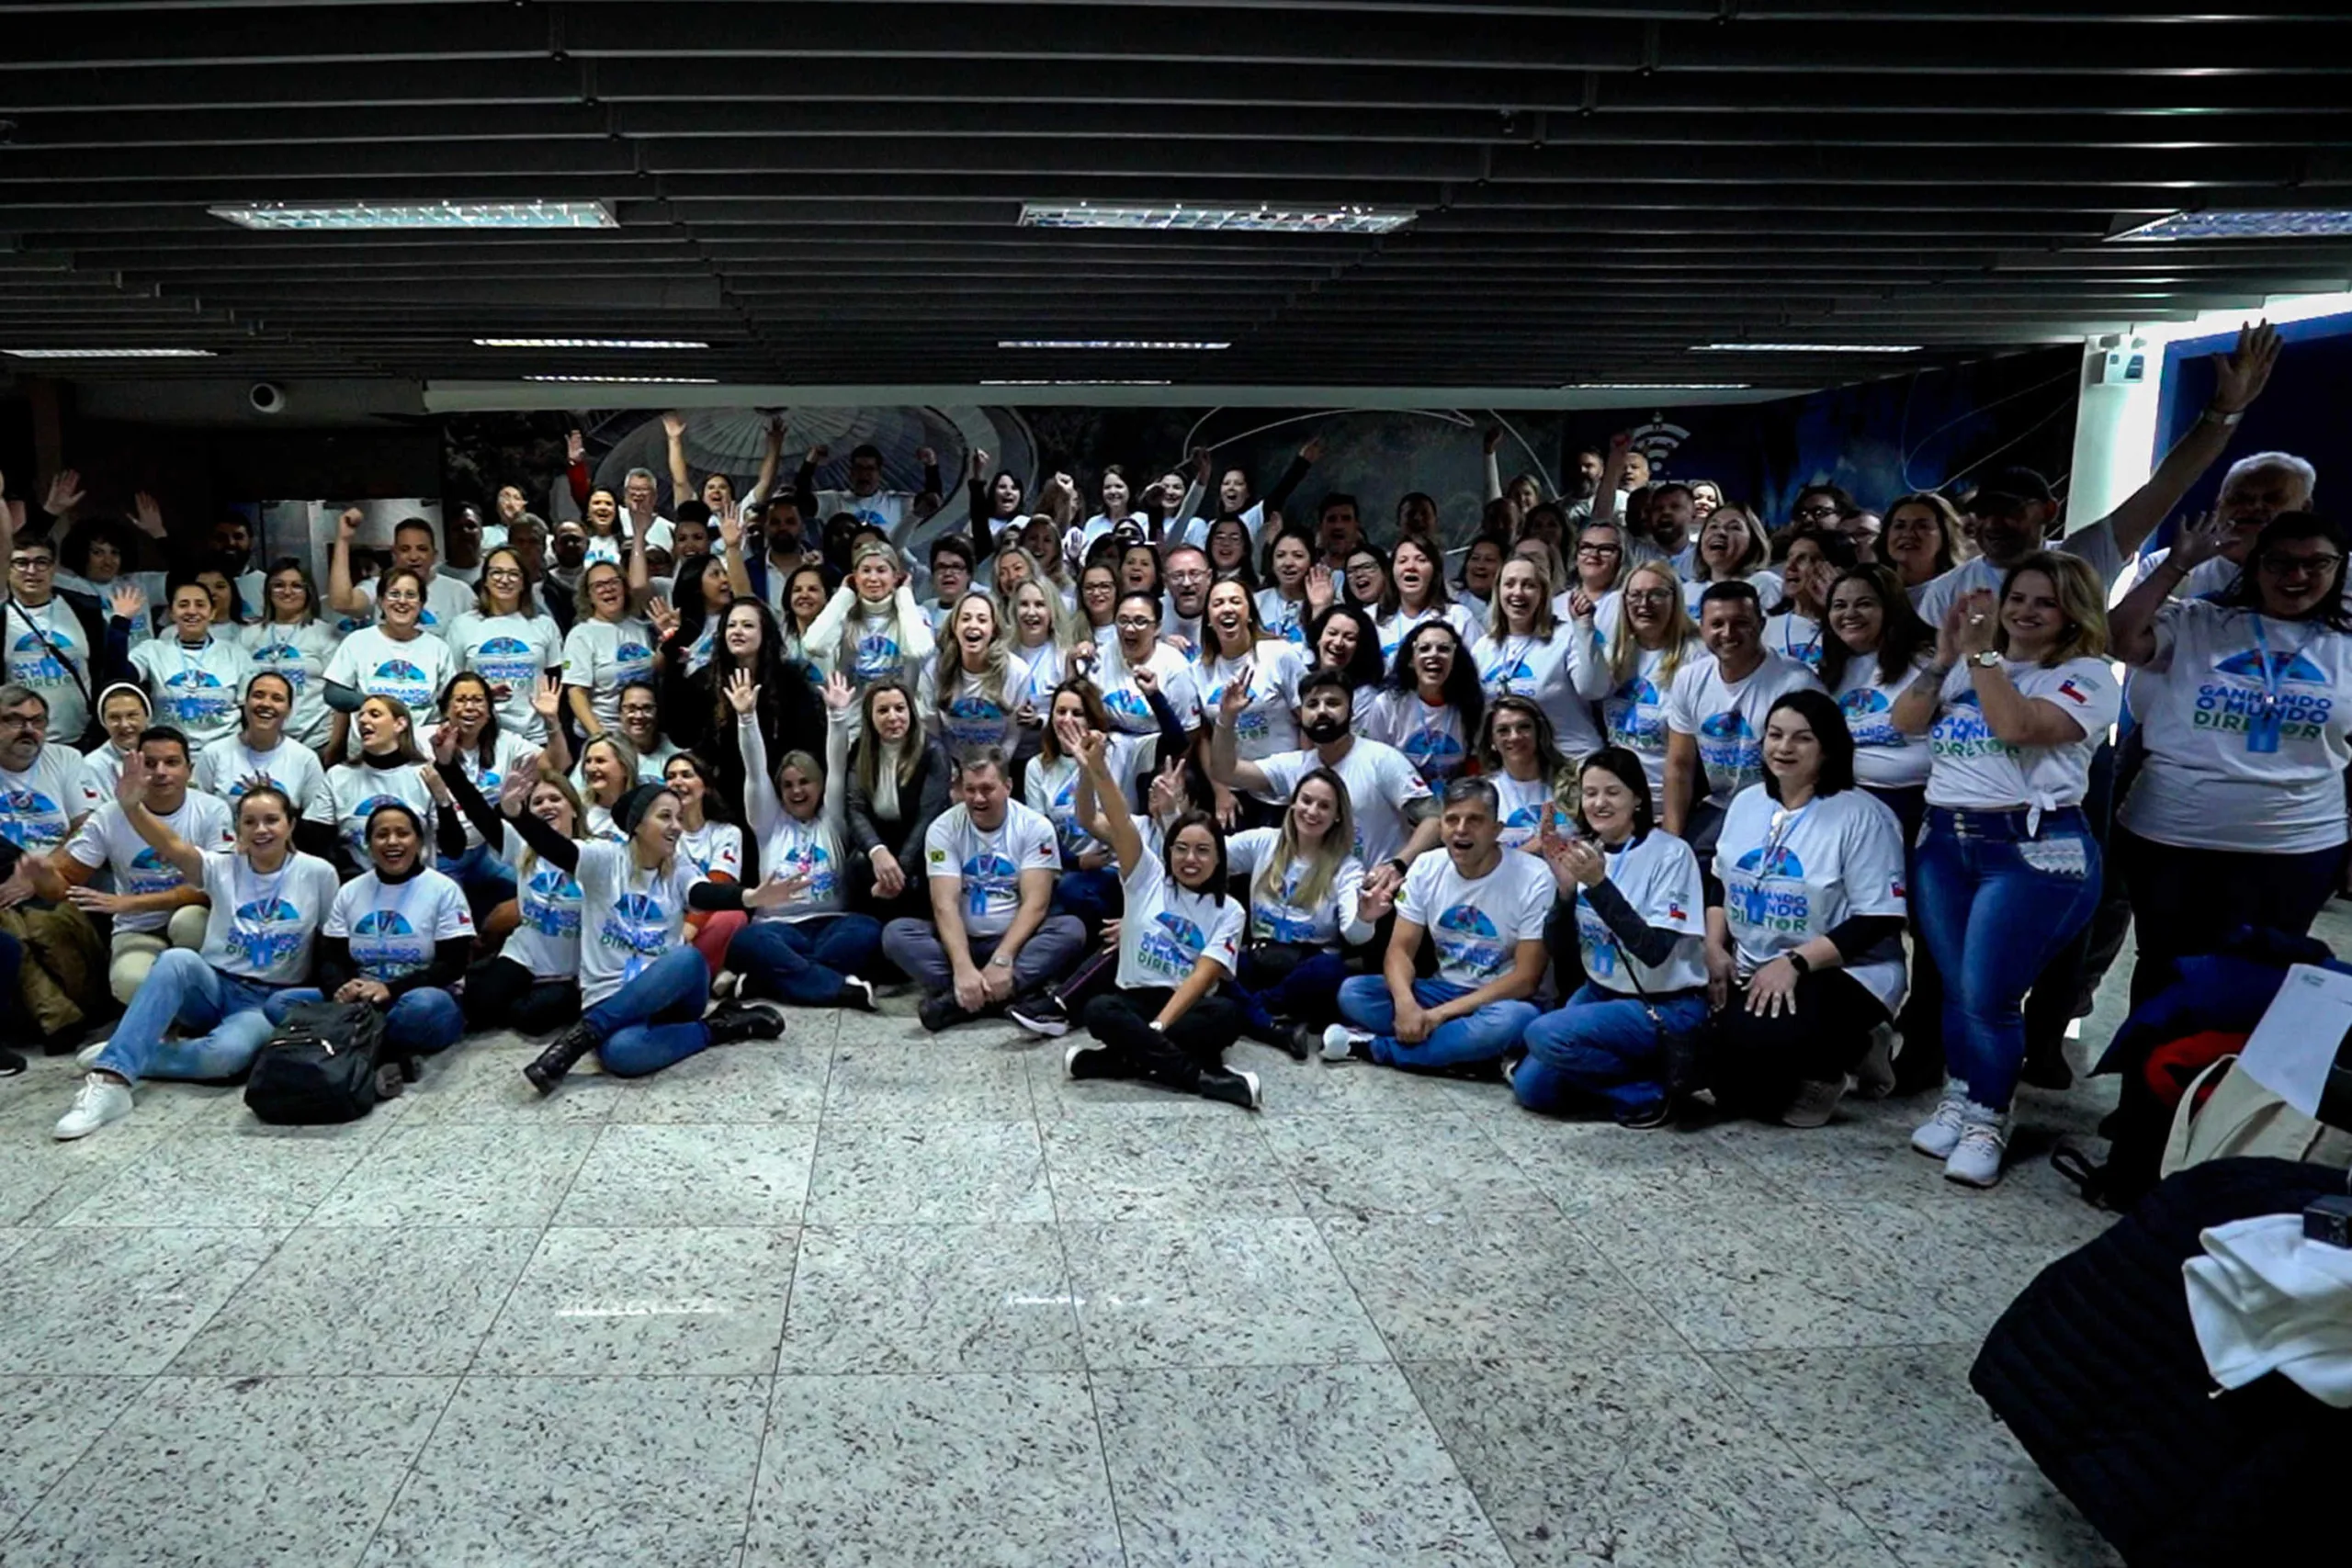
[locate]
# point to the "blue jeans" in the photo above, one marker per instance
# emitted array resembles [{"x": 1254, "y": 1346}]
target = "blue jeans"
[
  {"x": 656, "y": 1019},
  {"x": 1994, "y": 905},
  {"x": 1287, "y": 980},
  {"x": 1092, "y": 895},
  {"x": 487, "y": 880},
  {"x": 421, "y": 1022},
  {"x": 803, "y": 961},
  {"x": 1601, "y": 1047},
  {"x": 1483, "y": 1036},
  {"x": 183, "y": 990}
]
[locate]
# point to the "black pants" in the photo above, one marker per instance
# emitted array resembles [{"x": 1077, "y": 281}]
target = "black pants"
[
  {"x": 1759, "y": 1060},
  {"x": 501, "y": 994},
  {"x": 2057, "y": 994},
  {"x": 2192, "y": 901},
  {"x": 1191, "y": 1048},
  {"x": 913, "y": 902}
]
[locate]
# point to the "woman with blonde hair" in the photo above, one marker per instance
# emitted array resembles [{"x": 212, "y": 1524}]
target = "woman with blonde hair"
[
  {"x": 872, "y": 629},
  {"x": 1646, "y": 635},
  {"x": 971, "y": 694},
  {"x": 1732, "y": 547},
  {"x": 1305, "y": 903},
  {"x": 1528, "y": 651},
  {"x": 1518, "y": 755}
]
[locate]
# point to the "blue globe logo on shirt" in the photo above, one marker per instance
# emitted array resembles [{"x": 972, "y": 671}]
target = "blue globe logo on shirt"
[
  {"x": 37, "y": 667},
  {"x": 1470, "y": 940},
  {"x": 2286, "y": 664},
  {"x": 980, "y": 873},
  {"x": 632, "y": 653},
  {"x": 1726, "y": 727},
  {"x": 1435, "y": 753},
  {"x": 400, "y": 670},
  {"x": 197, "y": 694},
  {"x": 552, "y": 902},
  {"x": 1172, "y": 947},
  {"x": 1497, "y": 675},
  {"x": 506, "y": 658},
  {"x": 1862, "y": 700},
  {"x": 286, "y": 659},
  {"x": 974, "y": 720},
  {"x": 877, "y": 658},
  {"x": 638, "y": 926},
  {"x": 380, "y": 944},
  {"x": 1782, "y": 861},
  {"x": 383, "y": 923},
  {"x": 251, "y": 935},
  {"x": 1126, "y": 703},
  {"x": 31, "y": 820},
  {"x": 151, "y": 873}
]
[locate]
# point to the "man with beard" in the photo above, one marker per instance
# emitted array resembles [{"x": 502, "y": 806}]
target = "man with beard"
[
  {"x": 562, "y": 574},
  {"x": 1186, "y": 569}
]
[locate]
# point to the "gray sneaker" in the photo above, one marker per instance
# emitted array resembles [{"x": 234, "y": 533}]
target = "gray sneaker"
[{"x": 1815, "y": 1103}]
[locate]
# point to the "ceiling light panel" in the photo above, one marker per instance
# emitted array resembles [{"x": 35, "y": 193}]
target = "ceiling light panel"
[
  {"x": 1233, "y": 220},
  {"x": 633, "y": 380},
  {"x": 2329, "y": 223},
  {"x": 628, "y": 343},
  {"x": 1804, "y": 348},
  {"x": 1137, "y": 344},
  {"x": 109, "y": 353},
  {"x": 279, "y": 216}
]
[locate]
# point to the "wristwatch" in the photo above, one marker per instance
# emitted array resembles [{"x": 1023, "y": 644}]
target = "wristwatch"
[
  {"x": 1399, "y": 862},
  {"x": 2226, "y": 421},
  {"x": 1799, "y": 961},
  {"x": 1985, "y": 660},
  {"x": 1000, "y": 962}
]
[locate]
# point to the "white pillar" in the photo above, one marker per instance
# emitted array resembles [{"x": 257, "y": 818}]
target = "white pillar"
[{"x": 2115, "y": 424}]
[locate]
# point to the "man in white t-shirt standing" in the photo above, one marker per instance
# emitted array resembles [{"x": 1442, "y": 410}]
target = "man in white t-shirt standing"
[
  {"x": 1714, "y": 713},
  {"x": 990, "y": 863},
  {"x": 414, "y": 548},
  {"x": 45, "y": 795},
  {"x": 1483, "y": 910}
]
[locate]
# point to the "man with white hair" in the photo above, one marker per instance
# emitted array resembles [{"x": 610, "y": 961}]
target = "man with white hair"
[{"x": 2256, "y": 490}]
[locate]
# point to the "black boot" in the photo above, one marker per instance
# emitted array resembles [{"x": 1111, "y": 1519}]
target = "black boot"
[
  {"x": 732, "y": 1023},
  {"x": 562, "y": 1054}
]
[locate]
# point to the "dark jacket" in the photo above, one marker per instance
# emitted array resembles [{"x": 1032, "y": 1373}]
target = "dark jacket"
[{"x": 921, "y": 801}]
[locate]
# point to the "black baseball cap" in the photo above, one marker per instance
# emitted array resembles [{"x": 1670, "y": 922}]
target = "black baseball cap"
[{"x": 2010, "y": 490}]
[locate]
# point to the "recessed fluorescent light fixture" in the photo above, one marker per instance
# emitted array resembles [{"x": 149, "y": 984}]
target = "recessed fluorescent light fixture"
[
  {"x": 1804, "y": 348},
  {"x": 1238, "y": 219},
  {"x": 1126, "y": 343},
  {"x": 587, "y": 343},
  {"x": 633, "y": 380},
  {"x": 2322, "y": 224},
  {"x": 286, "y": 215},
  {"x": 1087, "y": 381},
  {"x": 1659, "y": 386},
  {"x": 109, "y": 353}
]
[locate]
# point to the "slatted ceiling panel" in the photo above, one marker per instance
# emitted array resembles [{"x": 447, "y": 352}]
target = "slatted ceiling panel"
[{"x": 829, "y": 192}]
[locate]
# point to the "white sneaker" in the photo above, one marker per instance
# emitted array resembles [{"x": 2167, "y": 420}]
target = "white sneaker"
[
  {"x": 95, "y": 1104},
  {"x": 1339, "y": 1042},
  {"x": 87, "y": 1056},
  {"x": 1976, "y": 1161},
  {"x": 724, "y": 984},
  {"x": 1940, "y": 1133}
]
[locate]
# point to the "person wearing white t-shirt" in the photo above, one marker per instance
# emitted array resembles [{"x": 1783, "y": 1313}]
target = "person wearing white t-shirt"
[
  {"x": 440, "y": 599},
  {"x": 391, "y": 658},
  {"x": 261, "y": 753},
  {"x": 531, "y": 984},
  {"x": 1395, "y": 819},
  {"x": 1165, "y": 1020},
  {"x": 606, "y": 649},
  {"x": 1640, "y": 926},
  {"x": 1482, "y": 909},
  {"x": 1136, "y": 651},
  {"x": 508, "y": 640},
  {"x": 195, "y": 677},
  {"x": 1235, "y": 647},
  {"x": 1646, "y": 641},
  {"x": 153, "y": 905},
  {"x": 1528, "y": 651},
  {"x": 1088, "y": 885},
  {"x": 1518, "y": 755},
  {"x": 45, "y": 791},
  {"x": 48, "y": 640},
  {"x": 2236, "y": 817},
  {"x": 397, "y": 938},
  {"x": 1417, "y": 595},
  {"x": 124, "y": 710},
  {"x": 268, "y": 903},
  {"x": 1431, "y": 705},
  {"x": 2019, "y": 696},
  {"x": 1714, "y": 713},
  {"x": 1804, "y": 955},
  {"x": 992, "y": 939},
  {"x": 1305, "y": 904},
  {"x": 1797, "y": 626},
  {"x": 1731, "y": 547},
  {"x": 970, "y": 695},
  {"x": 291, "y": 639}
]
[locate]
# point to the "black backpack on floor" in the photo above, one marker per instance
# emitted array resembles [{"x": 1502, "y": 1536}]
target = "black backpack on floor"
[{"x": 328, "y": 1062}]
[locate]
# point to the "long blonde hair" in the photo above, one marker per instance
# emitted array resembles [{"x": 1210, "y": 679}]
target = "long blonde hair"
[
  {"x": 562, "y": 787},
  {"x": 1625, "y": 648},
  {"x": 1323, "y": 864},
  {"x": 948, "y": 674},
  {"x": 2081, "y": 599},
  {"x": 1498, "y": 622}
]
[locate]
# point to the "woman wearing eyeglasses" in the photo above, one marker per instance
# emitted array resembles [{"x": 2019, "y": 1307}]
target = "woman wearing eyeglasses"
[
  {"x": 2237, "y": 816},
  {"x": 510, "y": 642}
]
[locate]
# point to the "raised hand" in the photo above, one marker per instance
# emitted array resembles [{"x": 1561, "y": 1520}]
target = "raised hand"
[
  {"x": 126, "y": 602},
  {"x": 131, "y": 783},
  {"x": 547, "y": 697},
  {"x": 774, "y": 435},
  {"x": 515, "y": 789},
  {"x": 346, "y": 527},
  {"x": 663, "y": 616},
  {"x": 979, "y": 462},
  {"x": 1493, "y": 440},
  {"x": 1092, "y": 748},
  {"x": 445, "y": 743},
  {"x": 673, "y": 424},
  {"x": 1200, "y": 464},
  {"x": 776, "y": 891},
  {"x": 1581, "y": 604},
  {"x": 731, "y": 524},
  {"x": 575, "y": 448},
  {"x": 927, "y": 456},
  {"x": 1146, "y": 679},
  {"x": 1321, "y": 590},
  {"x": 838, "y": 693},
  {"x": 1313, "y": 449},
  {"x": 1236, "y": 695},
  {"x": 742, "y": 693},
  {"x": 2201, "y": 539},
  {"x": 149, "y": 513},
  {"x": 818, "y": 453},
  {"x": 1977, "y": 622},
  {"x": 64, "y": 493},
  {"x": 1071, "y": 731},
  {"x": 435, "y": 785},
  {"x": 2240, "y": 375},
  {"x": 1167, "y": 789}
]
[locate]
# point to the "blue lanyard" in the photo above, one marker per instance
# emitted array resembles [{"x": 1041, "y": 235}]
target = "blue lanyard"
[
  {"x": 2274, "y": 674},
  {"x": 1784, "y": 822}
]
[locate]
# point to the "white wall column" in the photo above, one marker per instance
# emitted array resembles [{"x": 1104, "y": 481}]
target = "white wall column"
[{"x": 2115, "y": 426}]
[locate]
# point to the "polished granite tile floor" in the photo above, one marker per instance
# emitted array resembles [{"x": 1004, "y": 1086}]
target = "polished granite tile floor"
[{"x": 864, "y": 1296}]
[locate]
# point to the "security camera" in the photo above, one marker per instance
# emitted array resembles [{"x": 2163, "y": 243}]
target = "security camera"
[{"x": 267, "y": 397}]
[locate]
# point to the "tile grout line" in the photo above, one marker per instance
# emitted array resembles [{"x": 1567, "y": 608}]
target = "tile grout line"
[{"x": 1788, "y": 1446}]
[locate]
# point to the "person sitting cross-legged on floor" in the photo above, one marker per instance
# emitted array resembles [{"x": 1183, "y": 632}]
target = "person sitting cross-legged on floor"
[{"x": 1484, "y": 912}]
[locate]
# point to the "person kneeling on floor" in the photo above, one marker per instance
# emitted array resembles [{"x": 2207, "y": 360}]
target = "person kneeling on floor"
[{"x": 1483, "y": 910}]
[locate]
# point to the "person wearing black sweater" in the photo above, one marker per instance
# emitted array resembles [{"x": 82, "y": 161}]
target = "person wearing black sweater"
[
  {"x": 694, "y": 711},
  {"x": 899, "y": 782},
  {"x": 532, "y": 982}
]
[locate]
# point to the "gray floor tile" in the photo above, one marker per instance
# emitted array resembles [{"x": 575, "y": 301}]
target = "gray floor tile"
[
  {"x": 873, "y": 1298},
  {"x": 1639, "y": 1460},
  {"x": 118, "y": 1301},
  {"x": 1500, "y": 1284},
  {"x": 245, "y": 1470},
  {"x": 1271, "y": 1467},
  {"x": 666, "y": 1300},
  {"x": 1430, "y": 1164},
  {"x": 42, "y": 1181},
  {"x": 945, "y": 1078},
  {"x": 990, "y": 1469},
  {"x": 46, "y": 1423},
  {"x": 1213, "y": 1293},
  {"x": 460, "y": 1174},
  {"x": 385, "y": 1301},
  {"x": 1906, "y": 1444},
  {"x": 727, "y": 1174},
  {"x": 937, "y": 1170},
  {"x": 485, "y": 1083},
  {"x": 1581, "y": 1162},
  {"x": 222, "y": 1180},
  {"x": 592, "y": 1473},
  {"x": 1138, "y": 1167},
  {"x": 779, "y": 1082}
]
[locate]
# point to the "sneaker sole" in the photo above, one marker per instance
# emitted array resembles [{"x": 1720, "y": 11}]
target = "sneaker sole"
[
  {"x": 1972, "y": 1183},
  {"x": 1051, "y": 1029}
]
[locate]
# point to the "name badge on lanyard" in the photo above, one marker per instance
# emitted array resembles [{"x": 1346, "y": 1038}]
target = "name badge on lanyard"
[{"x": 2266, "y": 723}]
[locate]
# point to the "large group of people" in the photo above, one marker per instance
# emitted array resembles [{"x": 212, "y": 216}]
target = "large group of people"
[{"x": 1633, "y": 799}]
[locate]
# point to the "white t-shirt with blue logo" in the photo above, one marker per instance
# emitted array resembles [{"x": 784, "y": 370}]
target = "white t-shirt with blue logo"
[
  {"x": 546, "y": 941},
  {"x": 262, "y": 925},
  {"x": 629, "y": 916},
  {"x": 605, "y": 655},
  {"x": 107, "y": 839},
  {"x": 1634, "y": 713},
  {"x": 197, "y": 689},
  {"x": 966, "y": 715},
  {"x": 1884, "y": 758},
  {"x": 1382, "y": 787},
  {"x": 1284, "y": 618},
  {"x": 379, "y": 666},
  {"x": 1546, "y": 671},
  {"x": 1727, "y": 718},
  {"x": 358, "y": 788},
  {"x": 1166, "y": 929},
  {"x": 1476, "y": 924},
  {"x": 1524, "y": 803},
  {"x": 1790, "y": 876},
  {"x": 489, "y": 778},
  {"x": 510, "y": 652},
  {"x": 1050, "y": 786},
  {"x": 39, "y": 807},
  {"x": 445, "y": 599},
  {"x": 1974, "y": 770},
  {"x": 300, "y": 650},
  {"x": 1275, "y": 914},
  {"x": 1793, "y": 634},
  {"x": 1657, "y": 875},
  {"x": 2214, "y": 779},
  {"x": 223, "y": 768},
  {"x": 394, "y": 929},
  {"x": 986, "y": 867},
  {"x": 1431, "y": 734},
  {"x": 1125, "y": 704},
  {"x": 1267, "y": 727},
  {"x": 39, "y": 642}
]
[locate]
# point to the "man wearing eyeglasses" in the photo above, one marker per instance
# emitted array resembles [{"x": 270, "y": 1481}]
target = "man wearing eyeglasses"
[
  {"x": 47, "y": 636},
  {"x": 52, "y": 962}
]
